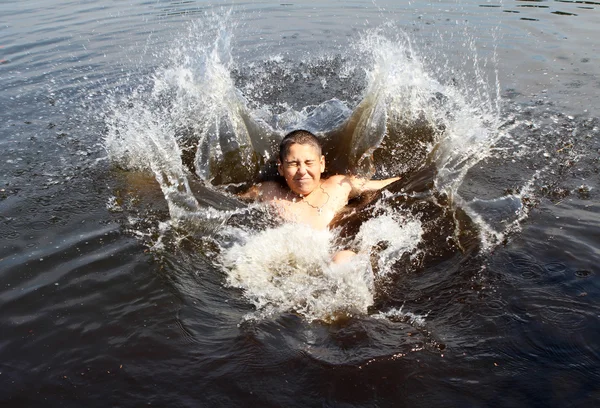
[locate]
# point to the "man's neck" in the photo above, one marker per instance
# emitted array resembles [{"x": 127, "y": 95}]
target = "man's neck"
[{"x": 300, "y": 196}]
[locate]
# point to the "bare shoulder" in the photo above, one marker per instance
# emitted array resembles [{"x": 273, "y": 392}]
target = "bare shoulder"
[
  {"x": 338, "y": 185},
  {"x": 351, "y": 184},
  {"x": 338, "y": 181},
  {"x": 265, "y": 191}
]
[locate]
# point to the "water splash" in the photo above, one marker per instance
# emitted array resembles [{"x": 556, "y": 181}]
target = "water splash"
[
  {"x": 403, "y": 94},
  {"x": 190, "y": 109},
  {"x": 289, "y": 268},
  {"x": 393, "y": 236},
  {"x": 195, "y": 123}
]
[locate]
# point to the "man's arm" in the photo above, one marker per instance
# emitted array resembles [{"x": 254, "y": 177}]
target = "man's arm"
[{"x": 361, "y": 185}]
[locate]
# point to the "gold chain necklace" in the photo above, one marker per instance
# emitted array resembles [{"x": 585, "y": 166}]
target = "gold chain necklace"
[{"x": 320, "y": 208}]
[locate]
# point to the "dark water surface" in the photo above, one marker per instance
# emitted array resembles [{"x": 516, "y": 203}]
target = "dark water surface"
[{"x": 114, "y": 283}]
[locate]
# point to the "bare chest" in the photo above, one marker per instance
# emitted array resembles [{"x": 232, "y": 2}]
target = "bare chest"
[{"x": 318, "y": 213}]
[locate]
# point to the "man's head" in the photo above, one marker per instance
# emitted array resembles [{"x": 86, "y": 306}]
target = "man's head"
[
  {"x": 301, "y": 161},
  {"x": 303, "y": 137}
]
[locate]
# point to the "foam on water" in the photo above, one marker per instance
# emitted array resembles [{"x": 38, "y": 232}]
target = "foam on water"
[
  {"x": 289, "y": 268},
  {"x": 397, "y": 314}
]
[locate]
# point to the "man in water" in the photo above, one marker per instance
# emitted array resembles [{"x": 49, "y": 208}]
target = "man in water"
[{"x": 307, "y": 198}]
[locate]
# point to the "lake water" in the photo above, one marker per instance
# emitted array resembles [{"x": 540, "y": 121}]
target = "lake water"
[{"x": 130, "y": 274}]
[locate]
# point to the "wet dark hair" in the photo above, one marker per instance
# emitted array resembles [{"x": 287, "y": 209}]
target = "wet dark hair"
[{"x": 300, "y": 136}]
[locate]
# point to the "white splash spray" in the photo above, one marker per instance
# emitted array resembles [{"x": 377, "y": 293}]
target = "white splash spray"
[
  {"x": 404, "y": 92},
  {"x": 192, "y": 103},
  {"x": 399, "y": 236},
  {"x": 193, "y": 98},
  {"x": 289, "y": 268}
]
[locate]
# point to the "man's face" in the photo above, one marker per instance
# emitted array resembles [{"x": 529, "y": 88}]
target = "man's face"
[{"x": 302, "y": 168}]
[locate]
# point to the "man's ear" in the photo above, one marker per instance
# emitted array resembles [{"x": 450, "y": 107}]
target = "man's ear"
[
  {"x": 322, "y": 164},
  {"x": 280, "y": 168}
]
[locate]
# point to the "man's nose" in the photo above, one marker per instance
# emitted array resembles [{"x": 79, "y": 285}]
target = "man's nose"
[{"x": 302, "y": 169}]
